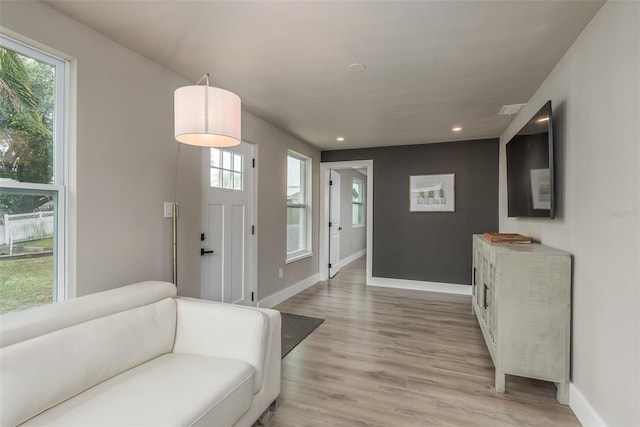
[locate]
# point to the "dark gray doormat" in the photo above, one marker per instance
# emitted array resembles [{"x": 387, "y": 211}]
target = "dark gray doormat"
[{"x": 295, "y": 328}]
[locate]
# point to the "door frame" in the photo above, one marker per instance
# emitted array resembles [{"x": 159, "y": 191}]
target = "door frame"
[
  {"x": 254, "y": 266},
  {"x": 254, "y": 196},
  {"x": 334, "y": 176},
  {"x": 323, "y": 241}
]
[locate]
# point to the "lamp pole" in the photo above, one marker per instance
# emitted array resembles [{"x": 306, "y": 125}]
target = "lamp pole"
[{"x": 174, "y": 221}]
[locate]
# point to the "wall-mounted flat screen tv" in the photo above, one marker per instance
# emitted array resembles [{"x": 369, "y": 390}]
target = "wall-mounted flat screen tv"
[{"x": 530, "y": 175}]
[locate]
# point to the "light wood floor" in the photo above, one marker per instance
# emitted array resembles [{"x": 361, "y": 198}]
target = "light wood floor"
[{"x": 388, "y": 357}]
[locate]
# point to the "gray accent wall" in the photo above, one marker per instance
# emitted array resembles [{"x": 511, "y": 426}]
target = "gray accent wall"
[{"x": 429, "y": 246}]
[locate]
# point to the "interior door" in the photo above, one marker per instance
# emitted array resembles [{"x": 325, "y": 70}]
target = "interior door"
[
  {"x": 334, "y": 222},
  {"x": 227, "y": 218}
]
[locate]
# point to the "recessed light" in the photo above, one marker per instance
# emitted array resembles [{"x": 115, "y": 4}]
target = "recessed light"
[
  {"x": 356, "y": 68},
  {"x": 340, "y": 138},
  {"x": 456, "y": 129}
]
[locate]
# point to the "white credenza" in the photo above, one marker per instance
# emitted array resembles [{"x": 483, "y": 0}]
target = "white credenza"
[{"x": 521, "y": 295}]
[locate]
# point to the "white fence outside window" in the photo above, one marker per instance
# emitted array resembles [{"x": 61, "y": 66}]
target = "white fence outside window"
[{"x": 26, "y": 226}]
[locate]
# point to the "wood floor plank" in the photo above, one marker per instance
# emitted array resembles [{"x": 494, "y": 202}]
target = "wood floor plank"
[{"x": 391, "y": 357}]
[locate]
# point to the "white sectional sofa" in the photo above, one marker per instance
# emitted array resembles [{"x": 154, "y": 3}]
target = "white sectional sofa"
[{"x": 138, "y": 355}]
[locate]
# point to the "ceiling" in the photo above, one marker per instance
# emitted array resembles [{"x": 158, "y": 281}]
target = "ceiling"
[{"x": 430, "y": 65}]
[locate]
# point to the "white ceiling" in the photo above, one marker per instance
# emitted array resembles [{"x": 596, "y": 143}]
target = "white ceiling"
[{"x": 430, "y": 65}]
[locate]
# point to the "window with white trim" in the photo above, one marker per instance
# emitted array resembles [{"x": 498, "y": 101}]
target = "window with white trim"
[
  {"x": 298, "y": 206},
  {"x": 33, "y": 92},
  {"x": 357, "y": 202}
]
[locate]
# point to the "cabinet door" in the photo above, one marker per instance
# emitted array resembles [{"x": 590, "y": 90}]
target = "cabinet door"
[
  {"x": 491, "y": 302},
  {"x": 485, "y": 291},
  {"x": 475, "y": 272}
]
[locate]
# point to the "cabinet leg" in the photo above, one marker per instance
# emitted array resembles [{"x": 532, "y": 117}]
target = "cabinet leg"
[
  {"x": 563, "y": 392},
  {"x": 500, "y": 381}
]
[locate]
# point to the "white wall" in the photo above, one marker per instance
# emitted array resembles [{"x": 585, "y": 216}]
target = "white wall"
[
  {"x": 595, "y": 92},
  {"x": 121, "y": 155},
  {"x": 122, "y": 166},
  {"x": 273, "y": 145}
]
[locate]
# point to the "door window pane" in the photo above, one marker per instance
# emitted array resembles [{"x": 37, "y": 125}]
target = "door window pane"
[
  {"x": 226, "y": 160},
  {"x": 215, "y": 177},
  {"x": 237, "y": 181},
  {"x": 215, "y": 158},
  {"x": 226, "y": 179},
  {"x": 226, "y": 169}
]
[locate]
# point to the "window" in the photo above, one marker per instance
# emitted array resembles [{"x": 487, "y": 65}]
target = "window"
[
  {"x": 32, "y": 188},
  {"x": 357, "y": 200},
  {"x": 226, "y": 169},
  {"x": 298, "y": 206}
]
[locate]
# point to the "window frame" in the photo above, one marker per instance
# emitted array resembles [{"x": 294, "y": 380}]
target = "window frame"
[
  {"x": 58, "y": 189},
  {"x": 360, "y": 203},
  {"x": 305, "y": 252}
]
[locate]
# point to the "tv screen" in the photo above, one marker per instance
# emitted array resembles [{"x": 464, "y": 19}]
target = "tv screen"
[{"x": 530, "y": 189}]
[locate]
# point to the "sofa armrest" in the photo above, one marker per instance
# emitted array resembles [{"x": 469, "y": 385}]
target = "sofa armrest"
[
  {"x": 233, "y": 332},
  {"x": 271, "y": 380}
]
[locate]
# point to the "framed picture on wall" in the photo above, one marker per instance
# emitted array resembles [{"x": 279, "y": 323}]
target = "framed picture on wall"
[{"x": 432, "y": 193}]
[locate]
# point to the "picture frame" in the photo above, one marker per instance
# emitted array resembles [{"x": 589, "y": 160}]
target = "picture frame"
[{"x": 432, "y": 193}]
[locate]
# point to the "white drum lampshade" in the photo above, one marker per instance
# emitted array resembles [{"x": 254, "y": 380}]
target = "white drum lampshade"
[{"x": 207, "y": 116}]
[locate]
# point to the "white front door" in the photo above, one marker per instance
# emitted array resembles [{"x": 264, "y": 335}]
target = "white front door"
[
  {"x": 227, "y": 218},
  {"x": 334, "y": 223}
]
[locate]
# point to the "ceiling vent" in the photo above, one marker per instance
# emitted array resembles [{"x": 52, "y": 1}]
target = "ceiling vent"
[{"x": 510, "y": 110}]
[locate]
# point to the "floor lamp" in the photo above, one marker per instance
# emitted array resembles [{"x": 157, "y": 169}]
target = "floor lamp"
[{"x": 204, "y": 116}]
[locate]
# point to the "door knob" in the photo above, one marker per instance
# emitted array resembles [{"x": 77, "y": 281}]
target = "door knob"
[
  {"x": 339, "y": 228},
  {"x": 203, "y": 252}
]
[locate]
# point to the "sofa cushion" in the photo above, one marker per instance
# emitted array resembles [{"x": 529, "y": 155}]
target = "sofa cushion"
[
  {"x": 41, "y": 372},
  {"x": 204, "y": 325},
  {"x": 171, "y": 390},
  {"x": 27, "y": 324}
]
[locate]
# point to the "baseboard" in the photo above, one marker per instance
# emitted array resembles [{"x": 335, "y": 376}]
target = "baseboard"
[
  {"x": 447, "y": 288},
  {"x": 348, "y": 260},
  {"x": 580, "y": 406},
  {"x": 285, "y": 294}
]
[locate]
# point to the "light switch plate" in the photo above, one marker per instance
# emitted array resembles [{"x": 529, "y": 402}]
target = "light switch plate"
[{"x": 168, "y": 212}]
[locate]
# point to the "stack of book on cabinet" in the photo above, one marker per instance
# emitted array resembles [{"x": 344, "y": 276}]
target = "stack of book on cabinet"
[{"x": 506, "y": 238}]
